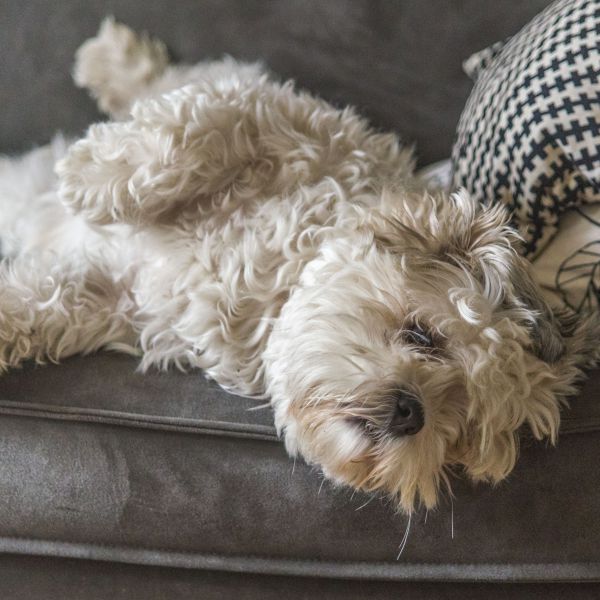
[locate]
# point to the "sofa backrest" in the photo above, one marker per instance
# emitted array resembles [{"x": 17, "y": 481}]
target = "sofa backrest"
[{"x": 398, "y": 61}]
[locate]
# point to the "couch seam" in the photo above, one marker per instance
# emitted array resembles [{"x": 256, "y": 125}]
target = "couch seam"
[
  {"x": 156, "y": 422},
  {"x": 300, "y": 562}
]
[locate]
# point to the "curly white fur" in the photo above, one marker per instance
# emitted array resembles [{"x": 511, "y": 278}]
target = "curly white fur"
[{"x": 232, "y": 223}]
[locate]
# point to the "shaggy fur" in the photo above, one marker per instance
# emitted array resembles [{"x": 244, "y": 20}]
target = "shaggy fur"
[{"x": 232, "y": 223}]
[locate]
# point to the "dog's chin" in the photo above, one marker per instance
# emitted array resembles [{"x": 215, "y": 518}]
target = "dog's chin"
[
  {"x": 470, "y": 426},
  {"x": 409, "y": 469}
]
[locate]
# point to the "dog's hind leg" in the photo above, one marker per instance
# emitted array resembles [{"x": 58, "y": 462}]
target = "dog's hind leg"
[
  {"x": 49, "y": 311},
  {"x": 180, "y": 148},
  {"x": 117, "y": 66},
  {"x": 27, "y": 203}
]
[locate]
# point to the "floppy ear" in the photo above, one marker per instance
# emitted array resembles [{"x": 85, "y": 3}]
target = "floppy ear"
[
  {"x": 547, "y": 327},
  {"x": 493, "y": 462},
  {"x": 452, "y": 228},
  {"x": 495, "y": 246},
  {"x": 478, "y": 238},
  {"x": 455, "y": 229}
]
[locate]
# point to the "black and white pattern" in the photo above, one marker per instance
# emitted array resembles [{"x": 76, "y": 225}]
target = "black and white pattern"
[
  {"x": 529, "y": 135},
  {"x": 584, "y": 264},
  {"x": 479, "y": 61}
]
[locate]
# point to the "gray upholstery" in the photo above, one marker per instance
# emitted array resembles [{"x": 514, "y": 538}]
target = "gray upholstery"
[
  {"x": 101, "y": 462},
  {"x": 117, "y": 485},
  {"x": 399, "y": 62},
  {"x": 49, "y": 578}
]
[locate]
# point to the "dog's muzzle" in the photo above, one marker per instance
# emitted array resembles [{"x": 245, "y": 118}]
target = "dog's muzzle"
[{"x": 408, "y": 417}]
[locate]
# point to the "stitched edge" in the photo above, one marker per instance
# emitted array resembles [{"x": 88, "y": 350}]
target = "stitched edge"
[
  {"x": 180, "y": 424},
  {"x": 502, "y": 572}
]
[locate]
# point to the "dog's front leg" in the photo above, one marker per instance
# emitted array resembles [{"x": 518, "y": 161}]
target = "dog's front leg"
[
  {"x": 49, "y": 311},
  {"x": 183, "y": 147}
]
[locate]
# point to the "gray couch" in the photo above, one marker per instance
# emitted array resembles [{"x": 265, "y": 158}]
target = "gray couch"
[{"x": 126, "y": 486}]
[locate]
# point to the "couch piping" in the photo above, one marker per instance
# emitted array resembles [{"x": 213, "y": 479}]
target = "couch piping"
[
  {"x": 158, "y": 422},
  {"x": 390, "y": 571}
]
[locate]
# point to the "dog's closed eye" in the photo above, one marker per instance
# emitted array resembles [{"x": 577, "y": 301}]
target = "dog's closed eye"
[
  {"x": 423, "y": 339},
  {"x": 418, "y": 336}
]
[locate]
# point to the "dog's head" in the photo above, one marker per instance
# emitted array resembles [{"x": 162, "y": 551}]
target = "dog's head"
[{"x": 415, "y": 342}]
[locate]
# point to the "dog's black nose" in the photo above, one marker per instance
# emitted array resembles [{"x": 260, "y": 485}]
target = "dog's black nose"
[{"x": 408, "y": 417}]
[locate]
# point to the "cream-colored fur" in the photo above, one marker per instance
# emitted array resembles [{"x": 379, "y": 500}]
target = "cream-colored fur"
[{"x": 228, "y": 222}]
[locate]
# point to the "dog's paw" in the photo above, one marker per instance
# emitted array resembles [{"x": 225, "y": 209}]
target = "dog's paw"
[
  {"x": 117, "y": 64},
  {"x": 94, "y": 175}
]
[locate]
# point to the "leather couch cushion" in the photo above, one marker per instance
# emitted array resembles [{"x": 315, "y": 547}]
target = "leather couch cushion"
[{"x": 101, "y": 462}]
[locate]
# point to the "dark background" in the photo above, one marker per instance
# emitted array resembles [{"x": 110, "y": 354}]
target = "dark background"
[{"x": 398, "y": 62}]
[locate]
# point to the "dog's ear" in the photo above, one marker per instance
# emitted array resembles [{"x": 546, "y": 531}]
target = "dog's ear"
[
  {"x": 491, "y": 460},
  {"x": 493, "y": 247},
  {"x": 548, "y": 328},
  {"x": 452, "y": 229},
  {"x": 480, "y": 240}
]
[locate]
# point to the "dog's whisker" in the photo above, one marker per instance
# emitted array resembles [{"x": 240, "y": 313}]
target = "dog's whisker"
[
  {"x": 365, "y": 503},
  {"x": 260, "y": 406},
  {"x": 405, "y": 537},
  {"x": 321, "y": 486}
]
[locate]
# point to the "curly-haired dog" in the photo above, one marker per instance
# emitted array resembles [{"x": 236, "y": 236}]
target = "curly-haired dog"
[{"x": 240, "y": 226}]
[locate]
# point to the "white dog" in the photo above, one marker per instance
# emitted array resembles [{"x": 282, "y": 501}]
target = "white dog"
[{"x": 256, "y": 232}]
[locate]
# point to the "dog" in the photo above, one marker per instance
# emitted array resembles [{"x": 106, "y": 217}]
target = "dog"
[{"x": 228, "y": 222}]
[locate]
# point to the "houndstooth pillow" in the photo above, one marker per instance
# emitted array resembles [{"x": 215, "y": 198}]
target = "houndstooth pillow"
[{"x": 529, "y": 135}]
